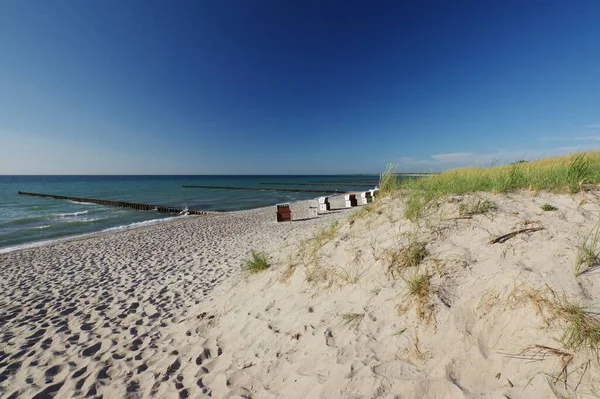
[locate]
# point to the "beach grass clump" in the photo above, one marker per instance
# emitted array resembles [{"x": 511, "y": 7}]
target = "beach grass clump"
[
  {"x": 411, "y": 255},
  {"x": 416, "y": 205},
  {"x": 548, "y": 208},
  {"x": 257, "y": 263},
  {"x": 418, "y": 285},
  {"x": 579, "y": 172},
  {"x": 288, "y": 273},
  {"x": 475, "y": 206},
  {"x": 324, "y": 236},
  {"x": 419, "y": 290},
  {"x": 352, "y": 320},
  {"x": 588, "y": 252},
  {"x": 389, "y": 182},
  {"x": 582, "y": 329},
  {"x": 364, "y": 211},
  {"x": 580, "y": 325}
]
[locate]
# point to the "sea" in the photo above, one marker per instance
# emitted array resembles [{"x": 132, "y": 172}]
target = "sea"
[{"x": 27, "y": 221}]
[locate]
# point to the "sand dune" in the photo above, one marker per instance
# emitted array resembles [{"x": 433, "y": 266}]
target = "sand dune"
[{"x": 344, "y": 327}]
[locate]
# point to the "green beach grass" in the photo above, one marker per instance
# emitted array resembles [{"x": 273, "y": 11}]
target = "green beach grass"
[
  {"x": 558, "y": 174},
  {"x": 564, "y": 174}
]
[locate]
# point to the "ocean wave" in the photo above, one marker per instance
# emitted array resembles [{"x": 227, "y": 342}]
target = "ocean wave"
[
  {"x": 40, "y": 227},
  {"x": 84, "y": 220},
  {"x": 84, "y": 203},
  {"x": 65, "y": 215},
  {"x": 140, "y": 224}
]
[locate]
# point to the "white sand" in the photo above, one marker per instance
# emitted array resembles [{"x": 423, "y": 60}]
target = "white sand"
[
  {"x": 480, "y": 335},
  {"x": 476, "y": 344},
  {"x": 110, "y": 314}
]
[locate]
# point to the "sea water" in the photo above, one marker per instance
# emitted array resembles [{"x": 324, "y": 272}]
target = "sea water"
[{"x": 26, "y": 220}]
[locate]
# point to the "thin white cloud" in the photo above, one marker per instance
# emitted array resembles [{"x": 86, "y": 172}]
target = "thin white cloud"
[
  {"x": 584, "y": 137},
  {"x": 593, "y": 126},
  {"x": 588, "y": 138},
  {"x": 456, "y": 159}
]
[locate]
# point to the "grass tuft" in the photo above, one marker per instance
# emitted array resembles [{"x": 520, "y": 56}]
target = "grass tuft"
[
  {"x": 419, "y": 289},
  {"x": 364, "y": 211},
  {"x": 475, "y": 206},
  {"x": 588, "y": 252},
  {"x": 257, "y": 263},
  {"x": 548, "y": 208},
  {"x": 400, "y": 332},
  {"x": 417, "y": 204},
  {"x": 287, "y": 274},
  {"x": 388, "y": 181},
  {"x": 582, "y": 327},
  {"x": 418, "y": 285},
  {"x": 324, "y": 236},
  {"x": 411, "y": 255},
  {"x": 352, "y": 320},
  {"x": 578, "y": 172}
]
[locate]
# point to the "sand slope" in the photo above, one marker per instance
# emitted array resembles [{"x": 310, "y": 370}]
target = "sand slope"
[
  {"x": 115, "y": 315},
  {"x": 484, "y": 329}
]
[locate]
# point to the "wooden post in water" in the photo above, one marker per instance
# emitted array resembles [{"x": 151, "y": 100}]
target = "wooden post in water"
[{"x": 122, "y": 204}]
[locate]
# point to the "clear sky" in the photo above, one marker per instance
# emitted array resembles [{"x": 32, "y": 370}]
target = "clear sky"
[{"x": 277, "y": 87}]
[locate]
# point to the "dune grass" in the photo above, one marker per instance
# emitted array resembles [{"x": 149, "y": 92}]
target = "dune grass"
[
  {"x": 389, "y": 182},
  {"x": 411, "y": 255},
  {"x": 559, "y": 174},
  {"x": 580, "y": 325},
  {"x": 324, "y": 236},
  {"x": 582, "y": 329},
  {"x": 352, "y": 320},
  {"x": 565, "y": 174},
  {"x": 420, "y": 290},
  {"x": 548, "y": 208},
  {"x": 475, "y": 206},
  {"x": 588, "y": 252},
  {"x": 257, "y": 263}
]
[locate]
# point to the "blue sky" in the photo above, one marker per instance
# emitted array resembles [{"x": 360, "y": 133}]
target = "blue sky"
[{"x": 251, "y": 87}]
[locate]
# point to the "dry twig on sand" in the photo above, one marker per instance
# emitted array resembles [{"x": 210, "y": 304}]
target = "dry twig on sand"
[{"x": 508, "y": 236}]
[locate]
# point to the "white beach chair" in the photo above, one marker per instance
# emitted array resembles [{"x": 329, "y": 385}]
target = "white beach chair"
[
  {"x": 365, "y": 198},
  {"x": 350, "y": 200},
  {"x": 324, "y": 204}
]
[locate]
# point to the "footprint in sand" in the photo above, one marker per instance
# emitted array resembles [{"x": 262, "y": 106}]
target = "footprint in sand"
[{"x": 90, "y": 351}]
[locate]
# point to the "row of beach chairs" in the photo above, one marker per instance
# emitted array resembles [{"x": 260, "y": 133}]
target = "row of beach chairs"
[{"x": 322, "y": 204}]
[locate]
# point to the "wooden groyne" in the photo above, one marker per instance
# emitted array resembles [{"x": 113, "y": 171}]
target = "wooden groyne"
[
  {"x": 290, "y": 190},
  {"x": 121, "y": 204},
  {"x": 321, "y": 184}
]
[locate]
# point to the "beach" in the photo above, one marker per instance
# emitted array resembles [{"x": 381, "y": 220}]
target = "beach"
[
  {"x": 478, "y": 298},
  {"x": 115, "y": 314}
]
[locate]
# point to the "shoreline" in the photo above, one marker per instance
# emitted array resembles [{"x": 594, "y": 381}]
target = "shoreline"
[{"x": 129, "y": 227}]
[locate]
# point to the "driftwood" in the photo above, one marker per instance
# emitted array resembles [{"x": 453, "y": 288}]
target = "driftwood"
[{"x": 508, "y": 236}]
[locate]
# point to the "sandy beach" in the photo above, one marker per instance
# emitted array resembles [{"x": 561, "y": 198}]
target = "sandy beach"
[
  {"x": 166, "y": 311},
  {"x": 114, "y": 315}
]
